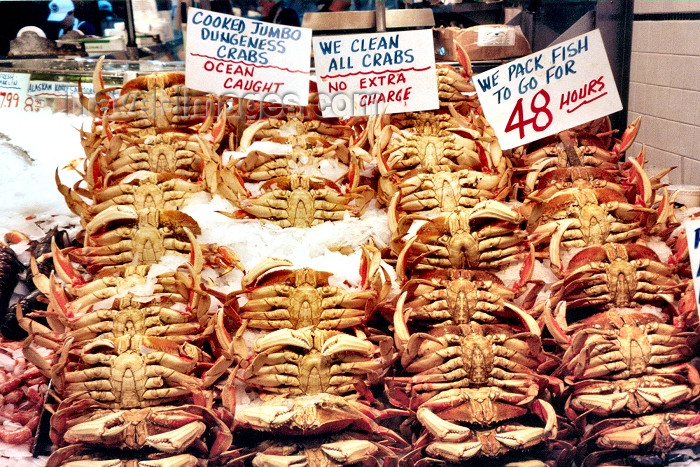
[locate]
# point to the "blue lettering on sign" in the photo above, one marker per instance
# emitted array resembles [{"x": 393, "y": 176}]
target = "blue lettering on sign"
[
  {"x": 39, "y": 87},
  {"x": 329, "y": 47},
  {"x": 520, "y": 69},
  {"x": 489, "y": 82},
  {"x": 562, "y": 52},
  {"x": 227, "y": 22},
  {"x": 697, "y": 238}
]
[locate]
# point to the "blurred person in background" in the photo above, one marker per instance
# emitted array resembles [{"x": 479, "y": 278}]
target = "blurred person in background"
[
  {"x": 62, "y": 19},
  {"x": 106, "y": 14}
]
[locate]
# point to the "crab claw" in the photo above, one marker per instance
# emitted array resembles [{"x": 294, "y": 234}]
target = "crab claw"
[
  {"x": 641, "y": 180},
  {"x": 401, "y": 333},
  {"x": 627, "y": 137},
  {"x": 463, "y": 59},
  {"x": 261, "y": 268},
  {"x": 454, "y": 452},
  {"x": 442, "y": 429},
  {"x": 556, "y": 323}
]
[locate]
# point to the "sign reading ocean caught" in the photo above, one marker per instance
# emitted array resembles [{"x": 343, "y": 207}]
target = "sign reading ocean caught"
[
  {"x": 549, "y": 91},
  {"x": 692, "y": 231},
  {"x": 245, "y": 58},
  {"x": 366, "y": 74}
]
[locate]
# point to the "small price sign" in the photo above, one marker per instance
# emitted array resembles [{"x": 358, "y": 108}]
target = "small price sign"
[
  {"x": 549, "y": 91},
  {"x": 62, "y": 93},
  {"x": 13, "y": 90},
  {"x": 692, "y": 230}
]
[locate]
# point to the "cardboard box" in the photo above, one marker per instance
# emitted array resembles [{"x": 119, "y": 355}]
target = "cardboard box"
[{"x": 484, "y": 42}]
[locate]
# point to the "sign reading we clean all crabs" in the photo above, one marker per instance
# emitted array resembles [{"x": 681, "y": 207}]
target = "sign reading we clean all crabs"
[
  {"x": 376, "y": 73},
  {"x": 248, "y": 59},
  {"x": 549, "y": 91}
]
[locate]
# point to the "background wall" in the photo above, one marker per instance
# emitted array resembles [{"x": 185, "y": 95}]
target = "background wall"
[{"x": 664, "y": 86}]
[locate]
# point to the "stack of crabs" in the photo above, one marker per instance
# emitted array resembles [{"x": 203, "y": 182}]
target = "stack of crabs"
[
  {"x": 139, "y": 365},
  {"x": 527, "y": 319}
]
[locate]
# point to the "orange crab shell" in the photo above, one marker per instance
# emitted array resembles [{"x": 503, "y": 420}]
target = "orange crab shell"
[
  {"x": 597, "y": 253},
  {"x": 152, "y": 81},
  {"x": 559, "y": 203}
]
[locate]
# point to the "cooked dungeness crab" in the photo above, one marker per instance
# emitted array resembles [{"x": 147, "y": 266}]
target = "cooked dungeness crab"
[
  {"x": 312, "y": 361},
  {"x": 487, "y": 236},
  {"x": 454, "y": 296},
  {"x": 449, "y": 361},
  {"x": 336, "y": 450},
  {"x": 297, "y": 131},
  {"x": 312, "y": 381},
  {"x": 275, "y": 148},
  {"x": 141, "y": 190},
  {"x": 572, "y": 148},
  {"x": 443, "y": 189},
  {"x": 303, "y": 201},
  {"x": 398, "y": 152},
  {"x": 471, "y": 386},
  {"x": 153, "y": 101},
  {"x": 281, "y": 298},
  {"x": 617, "y": 275},
  {"x": 624, "y": 361},
  {"x": 445, "y": 441},
  {"x": 580, "y": 217},
  {"x": 188, "y": 155},
  {"x": 79, "y": 455},
  {"x": 658, "y": 433},
  {"x": 120, "y": 235},
  {"x": 166, "y": 429}
]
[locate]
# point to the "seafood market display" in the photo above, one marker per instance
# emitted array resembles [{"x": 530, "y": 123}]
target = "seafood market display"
[{"x": 527, "y": 307}]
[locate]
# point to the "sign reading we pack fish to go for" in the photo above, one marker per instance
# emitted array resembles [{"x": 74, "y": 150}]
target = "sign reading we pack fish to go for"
[
  {"x": 692, "y": 231},
  {"x": 549, "y": 91},
  {"x": 368, "y": 74},
  {"x": 249, "y": 59}
]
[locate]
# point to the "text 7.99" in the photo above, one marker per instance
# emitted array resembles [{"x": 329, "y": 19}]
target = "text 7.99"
[
  {"x": 538, "y": 106},
  {"x": 9, "y": 99}
]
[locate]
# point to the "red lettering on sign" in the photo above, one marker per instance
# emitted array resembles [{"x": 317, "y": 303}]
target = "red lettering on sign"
[{"x": 517, "y": 120}]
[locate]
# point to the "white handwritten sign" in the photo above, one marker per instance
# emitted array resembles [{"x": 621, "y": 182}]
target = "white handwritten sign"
[
  {"x": 365, "y": 74},
  {"x": 692, "y": 231},
  {"x": 64, "y": 94},
  {"x": 549, "y": 91},
  {"x": 245, "y": 58},
  {"x": 13, "y": 90}
]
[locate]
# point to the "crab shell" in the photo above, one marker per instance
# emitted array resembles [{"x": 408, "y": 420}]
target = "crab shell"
[
  {"x": 312, "y": 415},
  {"x": 310, "y": 361},
  {"x": 303, "y": 201},
  {"x": 454, "y": 296},
  {"x": 619, "y": 275},
  {"x": 487, "y": 236},
  {"x": 655, "y": 433},
  {"x": 79, "y": 454},
  {"x": 638, "y": 396},
  {"x": 167, "y": 429},
  {"x": 440, "y": 188},
  {"x": 458, "y": 443}
]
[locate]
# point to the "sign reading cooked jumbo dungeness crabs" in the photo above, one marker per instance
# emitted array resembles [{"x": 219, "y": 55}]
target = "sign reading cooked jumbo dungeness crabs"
[
  {"x": 248, "y": 59},
  {"x": 549, "y": 91},
  {"x": 366, "y": 74}
]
